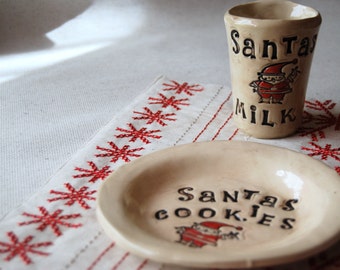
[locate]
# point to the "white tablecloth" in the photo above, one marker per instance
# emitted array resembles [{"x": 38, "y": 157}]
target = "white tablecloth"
[{"x": 67, "y": 69}]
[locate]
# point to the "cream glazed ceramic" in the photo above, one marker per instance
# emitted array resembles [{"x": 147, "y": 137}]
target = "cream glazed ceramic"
[
  {"x": 271, "y": 46},
  {"x": 222, "y": 204}
]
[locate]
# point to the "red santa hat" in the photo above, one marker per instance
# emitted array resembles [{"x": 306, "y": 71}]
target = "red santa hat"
[
  {"x": 276, "y": 69},
  {"x": 217, "y": 225}
]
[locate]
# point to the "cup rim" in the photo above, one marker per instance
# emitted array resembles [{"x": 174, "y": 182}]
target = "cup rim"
[{"x": 285, "y": 11}]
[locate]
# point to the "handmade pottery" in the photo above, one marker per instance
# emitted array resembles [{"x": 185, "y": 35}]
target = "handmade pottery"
[
  {"x": 271, "y": 46},
  {"x": 222, "y": 204}
]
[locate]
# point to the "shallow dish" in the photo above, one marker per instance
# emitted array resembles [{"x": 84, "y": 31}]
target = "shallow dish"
[{"x": 222, "y": 204}]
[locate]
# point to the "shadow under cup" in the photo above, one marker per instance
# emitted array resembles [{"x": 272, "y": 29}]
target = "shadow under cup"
[{"x": 271, "y": 46}]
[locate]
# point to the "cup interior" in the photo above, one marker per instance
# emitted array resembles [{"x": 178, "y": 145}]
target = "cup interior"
[{"x": 274, "y": 10}]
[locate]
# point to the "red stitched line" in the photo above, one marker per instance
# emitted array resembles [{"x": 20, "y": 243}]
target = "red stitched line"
[
  {"x": 219, "y": 130},
  {"x": 101, "y": 255},
  {"x": 233, "y": 135},
  {"x": 120, "y": 261},
  {"x": 337, "y": 124},
  {"x": 83, "y": 250},
  {"x": 213, "y": 118},
  {"x": 141, "y": 266},
  {"x": 321, "y": 105}
]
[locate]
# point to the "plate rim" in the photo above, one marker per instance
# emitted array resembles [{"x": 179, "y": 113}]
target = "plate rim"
[{"x": 152, "y": 251}]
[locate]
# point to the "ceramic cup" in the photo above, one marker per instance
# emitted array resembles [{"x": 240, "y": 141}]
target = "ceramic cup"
[{"x": 271, "y": 46}]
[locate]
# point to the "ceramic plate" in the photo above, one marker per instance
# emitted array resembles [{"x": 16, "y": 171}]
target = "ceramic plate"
[{"x": 222, "y": 204}]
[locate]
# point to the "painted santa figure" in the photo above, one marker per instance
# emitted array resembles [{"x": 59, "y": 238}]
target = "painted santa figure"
[
  {"x": 205, "y": 233},
  {"x": 273, "y": 84}
]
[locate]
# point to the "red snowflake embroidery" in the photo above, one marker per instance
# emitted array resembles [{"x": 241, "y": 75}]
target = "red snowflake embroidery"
[
  {"x": 182, "y": 88},
  {"x": 151, "y": 116},
  {"x": 314, "y": 125},
  {"x": 74, "y": 195},
  {"x": 22, "y": 249},
  {"x": 324, "y": 152},
  {"x": 143, "y": 134},
  {"x": 337, "y": 169},
  {"x": 117, "y": 153},
  {"x": 95, "y": 173},
  {"x": 171, "y": 101},
  {"x": 53, "y": 220}
]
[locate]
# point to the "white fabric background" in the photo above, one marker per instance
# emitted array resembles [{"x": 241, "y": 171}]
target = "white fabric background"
[{"x": 68, "y": 67}]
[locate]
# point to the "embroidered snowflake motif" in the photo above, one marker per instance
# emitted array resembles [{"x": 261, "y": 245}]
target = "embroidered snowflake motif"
[
  {"x": 22, "y": 249},
  {"x": 171, "y": 101},
  {"x": 157, "y": 117},
  {"x": 80, "y": 196},
  {"x": 143, "y": 134},
  {"x": 337, "y": 169},
  {"x": 53, "y": 220},
  {"x": 182, "y": 88},
  {"x": 117, "y": 153},
  {"x": 314, "y": 125},
  {"x": 324, "y": 152},
  {"x": 95, "y": 173}
]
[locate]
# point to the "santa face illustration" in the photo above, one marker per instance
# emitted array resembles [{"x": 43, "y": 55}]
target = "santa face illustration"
[
  {"x": 273, "y": 84},
  {"x": 205, "y": 233}
]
